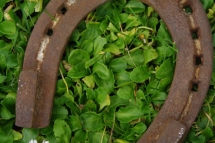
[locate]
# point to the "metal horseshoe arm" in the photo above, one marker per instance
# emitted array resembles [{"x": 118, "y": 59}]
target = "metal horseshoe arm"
[
  {"x": 193, "y": 67},
  {"x": 192, "y": 34}
]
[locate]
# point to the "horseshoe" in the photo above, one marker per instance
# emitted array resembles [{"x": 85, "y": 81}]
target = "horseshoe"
[{"x": 190, "y": 32}]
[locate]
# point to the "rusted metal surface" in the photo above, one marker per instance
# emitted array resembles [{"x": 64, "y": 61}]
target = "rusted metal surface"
[
  {"x": 192, "y": 35},
  {"x": 190, "y": 31}
]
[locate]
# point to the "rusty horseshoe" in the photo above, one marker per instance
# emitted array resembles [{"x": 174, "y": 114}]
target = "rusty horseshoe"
[{"x": 190, "y": 32}]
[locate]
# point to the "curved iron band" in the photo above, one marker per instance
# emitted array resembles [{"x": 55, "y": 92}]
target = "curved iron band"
[
  {"x": 193, "y": 69},
  {"x": 38, "y": 78}
]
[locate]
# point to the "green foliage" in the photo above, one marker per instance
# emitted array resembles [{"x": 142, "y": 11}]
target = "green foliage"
[
  {"x": 7, "y": 28},
  {"x": 165, "y": 69},
  {"x": 140, "y": 74},
  {"x": 92, "y": 121},
  {"x": 6, "y": 132},
  {"x": 116, "y": 73},
  {"x": 101, "y": 70},
  {"x": 134, "y": 7},
  {"x": 207, "y": 3},
  {"x": 126, "y": 115},
  {"x": 29, "y": 134},
  {"x": 62, "y": 131}
]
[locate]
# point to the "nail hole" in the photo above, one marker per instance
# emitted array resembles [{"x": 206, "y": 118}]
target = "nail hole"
[
  {"x": 188, "y": 9},
  {"x": 199, "y": 60},
  {"x": 194, "y": 34},
  {"x": 195, "y": 87},
  {"x": 63, "y": 10},
  {"x": 49, "y": 32}
]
